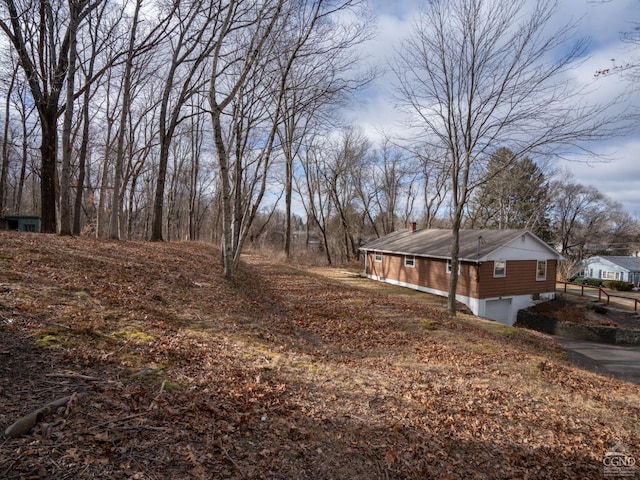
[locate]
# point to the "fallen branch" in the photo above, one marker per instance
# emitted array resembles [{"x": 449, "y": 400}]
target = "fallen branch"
[
  {"x": 74, "y": 375},
  {"x": 119, "y": 420},
  {"x": 26, "y": 423},
  {"x": 224, "y": 450}
]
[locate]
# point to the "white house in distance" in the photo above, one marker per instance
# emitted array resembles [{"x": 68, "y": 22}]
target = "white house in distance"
[
  {"x": 501, "y": 271},
  {"x": 625, "y": 269}
]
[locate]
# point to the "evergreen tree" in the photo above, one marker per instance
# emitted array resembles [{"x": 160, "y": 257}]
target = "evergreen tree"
[{"x": 514, "y": 193}]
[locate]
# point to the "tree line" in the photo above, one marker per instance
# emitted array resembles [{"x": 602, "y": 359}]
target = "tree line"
[{"x": 225, "y": 121}]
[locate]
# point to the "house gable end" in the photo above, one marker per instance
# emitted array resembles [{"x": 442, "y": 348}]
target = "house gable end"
[{"x": 524, "y": 247}]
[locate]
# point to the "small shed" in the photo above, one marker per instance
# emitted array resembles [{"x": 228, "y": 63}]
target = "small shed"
[{"x": 20, "y": 223}]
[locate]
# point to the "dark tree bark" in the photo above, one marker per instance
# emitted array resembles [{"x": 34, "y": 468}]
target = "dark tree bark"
[{"x": 43, "y": 49}]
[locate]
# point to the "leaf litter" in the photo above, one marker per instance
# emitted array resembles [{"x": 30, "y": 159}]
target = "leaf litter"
[{"x": 284, "y": 373}]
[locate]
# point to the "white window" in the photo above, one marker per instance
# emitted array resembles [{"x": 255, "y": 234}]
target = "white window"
[
  {"x": 541, "y": 270},
  {"x": 409, "y": 261},
  {"x": 499, "y": 268},
  {"x": 378, "y": 257},
  {"x": 610, "y": 275},
  {"x": 449, "y": 267}
]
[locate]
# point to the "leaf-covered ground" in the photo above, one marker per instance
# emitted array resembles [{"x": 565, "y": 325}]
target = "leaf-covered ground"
[{"x": 286, "y": 373}]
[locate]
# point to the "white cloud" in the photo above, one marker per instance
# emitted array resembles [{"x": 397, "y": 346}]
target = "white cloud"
[
  {"x": 618, "y": 178},
  {"x": 602, "y": 21}
]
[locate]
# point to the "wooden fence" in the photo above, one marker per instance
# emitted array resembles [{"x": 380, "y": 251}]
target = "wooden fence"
[{"x": 603, "y": 296}]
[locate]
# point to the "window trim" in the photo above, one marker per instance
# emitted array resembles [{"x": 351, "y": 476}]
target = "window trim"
[
  {"x": 410, "y": 261},
  {"x": 504, "y": 268},
  {"x": 543, "y": 277},
  {"x": 610, "y": 275},
  {"x": 449, "y": 267},
  {"x": 377, "y": 257}
]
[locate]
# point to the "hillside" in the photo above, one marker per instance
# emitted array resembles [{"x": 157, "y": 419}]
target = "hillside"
[{"x": 286, "y": 373}]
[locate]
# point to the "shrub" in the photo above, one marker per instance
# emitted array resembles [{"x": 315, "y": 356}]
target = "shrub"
[
  {"x": 594, "y": 282},
  {"x": 600, "y": 309},
  {"x": 618, "y": 285}
]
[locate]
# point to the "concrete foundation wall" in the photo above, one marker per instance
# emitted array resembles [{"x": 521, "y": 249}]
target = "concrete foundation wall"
[{"x": 591, "y": 333}]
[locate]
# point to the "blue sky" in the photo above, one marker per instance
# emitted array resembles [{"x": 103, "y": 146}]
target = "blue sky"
[{"x": 603, "y": 21}]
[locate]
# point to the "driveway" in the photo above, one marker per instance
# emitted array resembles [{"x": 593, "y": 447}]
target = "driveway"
[{"x": 615, "y": 360}]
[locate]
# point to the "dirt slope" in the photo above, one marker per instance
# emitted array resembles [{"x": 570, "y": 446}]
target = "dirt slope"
[{"x": 285, "y": 373}]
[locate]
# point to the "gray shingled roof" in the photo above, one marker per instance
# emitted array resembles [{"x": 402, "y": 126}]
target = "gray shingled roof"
[
  {"x": 436, "y": 243},
  {"x": 628, "y": 263}
]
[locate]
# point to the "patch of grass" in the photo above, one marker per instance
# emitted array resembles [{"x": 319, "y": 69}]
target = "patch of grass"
[
  {"x": 304, "y": 365},
  {"x": 132, "y": 335},
  {"x": 171, "y": 386},
  {"x": 51, "y": 340},
  {"x": 428, "y": 324},
  {"x": 498, "y": 328},
  {"x": 358, "y": 302},
  {"x": 265, "y": 351}
]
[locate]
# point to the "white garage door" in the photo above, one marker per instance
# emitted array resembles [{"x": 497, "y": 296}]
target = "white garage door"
[{"x": 499, "y": 310}]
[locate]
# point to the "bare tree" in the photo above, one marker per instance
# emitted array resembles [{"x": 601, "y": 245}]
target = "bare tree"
[
  {"x": 240, "y": 59},
  {"x": 477, "y": 73},
  {"x": 346, "y": 156},
  {"x": 390, "y": 180},
  {"x": 123, "y": 123},
  {"x": 190, "y": 46},
  {"x": 96, "y": 39},
  {"x": 331, "y": 191},
  {"x": 75, "y": 13},
  {"x": 4, "y": 163},
  {"x": 434, "y": 176},
  {"x": 315, "y": 193},
  {"x": 42, "y": 42},
  {"x": 25, "y": 109},
  {"x": 382, "y": 184},
  {"x": 587, "y": 222},
  {"x": 199, "y": 182},
  {"x": 317, "y": 76},
  {"x": 103, "y": 182},
  {"x": 573, "y": 206},
  {"x": 141, "y": 146}
]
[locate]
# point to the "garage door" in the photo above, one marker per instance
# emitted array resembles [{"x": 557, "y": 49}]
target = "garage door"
[{"x": 499, "y": 310}]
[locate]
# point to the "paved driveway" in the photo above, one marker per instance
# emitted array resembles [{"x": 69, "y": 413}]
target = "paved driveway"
[{"x": 615, "y": 360}]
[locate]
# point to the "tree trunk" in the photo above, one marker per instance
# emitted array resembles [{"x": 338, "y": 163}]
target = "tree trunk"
[
  {"x": 126, "y": 105},
  {"x": 455, "y": 261},
  {"x": 193, "y": 185},
  {"x": 48, "y": 150},
  {"x": 17, "y": 201},
  {"x": 288, "y": 189},
  {"x": 158, "y": 202},
  {"x": 65, "y": 178},
  {"x": 4, "y": 168},
  {"x": 82, "y": 162}
]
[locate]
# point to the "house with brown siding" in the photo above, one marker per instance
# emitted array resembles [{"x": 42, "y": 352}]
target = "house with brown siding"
[{"x": 500, "y": 271}]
